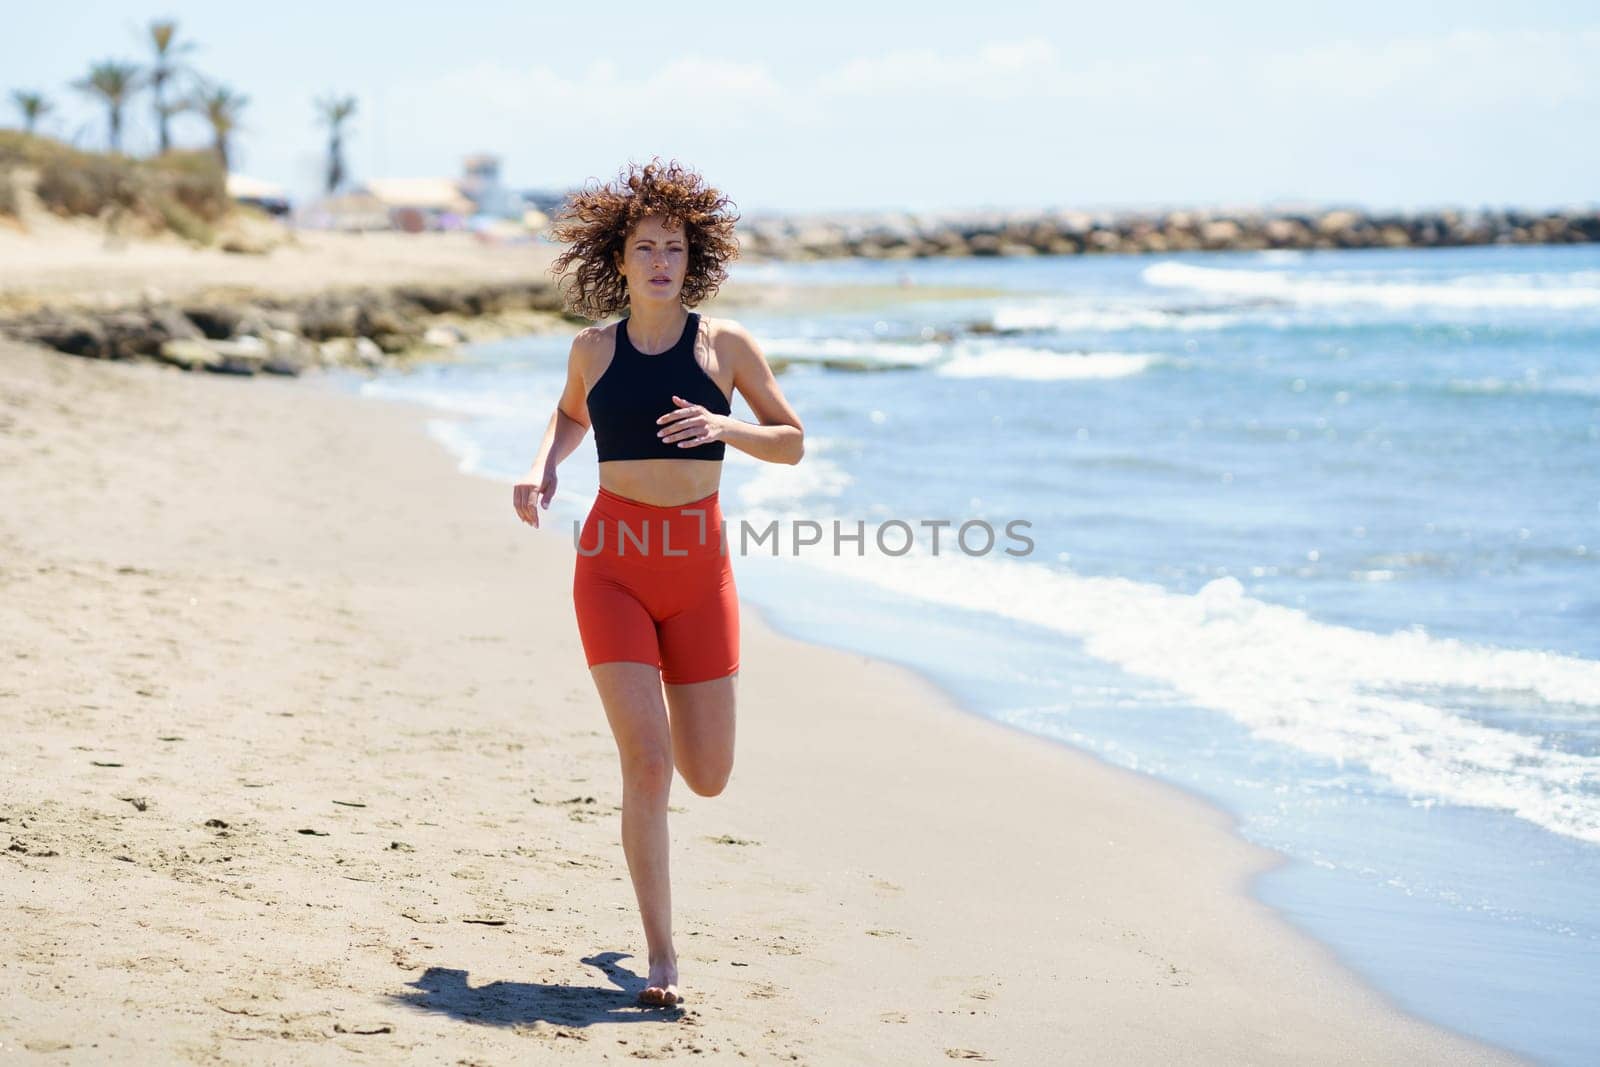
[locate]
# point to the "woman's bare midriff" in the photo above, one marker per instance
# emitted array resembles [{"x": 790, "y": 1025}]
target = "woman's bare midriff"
[{"x": 662, "y": 482}]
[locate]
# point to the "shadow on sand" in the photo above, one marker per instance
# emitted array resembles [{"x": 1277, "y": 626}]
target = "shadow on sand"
[{"x": 445, "y": 990}]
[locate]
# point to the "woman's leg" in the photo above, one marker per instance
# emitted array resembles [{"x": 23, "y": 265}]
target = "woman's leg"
[
  {"x": 702, "y": 721},
  {"x": 700, "y": 666},
  {"x": 631, "y": 694}
]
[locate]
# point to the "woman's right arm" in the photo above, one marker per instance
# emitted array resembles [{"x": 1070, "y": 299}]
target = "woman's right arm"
[{"x": 568, "y": 424}]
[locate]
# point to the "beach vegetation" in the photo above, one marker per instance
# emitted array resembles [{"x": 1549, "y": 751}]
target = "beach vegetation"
[
  {"x": 182, "y": 190},
  {"x": 163, "y": 37},
  {"x": 333, "y": 111},
  {"x": 179, "y": 191},
  {"x": 33, "y": 106},
  {"x": 112, "y": 82},
  {"x": 221, "y": 107}
]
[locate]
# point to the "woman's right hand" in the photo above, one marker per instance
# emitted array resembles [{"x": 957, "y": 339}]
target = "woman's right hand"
[{"x": 532, "y": 491}]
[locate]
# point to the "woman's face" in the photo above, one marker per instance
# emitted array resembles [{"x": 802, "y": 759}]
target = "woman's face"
[{"x": 654, "y": 261}]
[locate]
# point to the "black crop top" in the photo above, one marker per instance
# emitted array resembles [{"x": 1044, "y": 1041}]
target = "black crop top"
[{"x": 637, "y": 389}]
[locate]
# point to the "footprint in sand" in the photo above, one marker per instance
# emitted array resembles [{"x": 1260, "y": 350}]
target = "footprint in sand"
[
  {"x": 417, "y": 915},
  {"x": 549, "y": 1031},
  {"x": 368, "y": 1027},
  {"x": 45, "y": 1044}
]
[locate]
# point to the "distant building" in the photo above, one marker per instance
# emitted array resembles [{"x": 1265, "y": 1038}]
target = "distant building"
[
  {"x": 477, "y": 200},
  {"x": 417, "y": 204},
  {"x": 481, "y": 184}
]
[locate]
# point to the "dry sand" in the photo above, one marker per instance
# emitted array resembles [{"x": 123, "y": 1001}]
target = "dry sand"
[
  {"x": 303, "y": 765},
  {"x": 61, "y": 262}
]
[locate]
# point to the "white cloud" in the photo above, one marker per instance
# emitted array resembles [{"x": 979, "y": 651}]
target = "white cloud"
[
  {"x": 1028, "y": 69},
  {"x": 704, "y": 92},
  {"x": 1458, "y": 70},
  {"x": 488, "y": 97},
  {"x": 1022, "y": 118},
  {"x": 995, "y": 71}
]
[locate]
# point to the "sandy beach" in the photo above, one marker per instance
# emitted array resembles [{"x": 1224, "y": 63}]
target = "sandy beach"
[
  {"x": 304, "y": 764},
  {"x": 58, "y": 262}
]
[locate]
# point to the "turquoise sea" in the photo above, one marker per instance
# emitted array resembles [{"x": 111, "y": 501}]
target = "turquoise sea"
[{"x": 1315, "y": 536}]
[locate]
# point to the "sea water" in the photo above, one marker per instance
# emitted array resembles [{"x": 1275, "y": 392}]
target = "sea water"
[{"x": 1313, "y": 535}]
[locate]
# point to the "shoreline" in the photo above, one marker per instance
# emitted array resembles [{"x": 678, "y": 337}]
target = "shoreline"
[
  {"x": 1255, "y": 861},
  {"x": 235, "y": 649},
  {"x": 1267, "y": 861}
]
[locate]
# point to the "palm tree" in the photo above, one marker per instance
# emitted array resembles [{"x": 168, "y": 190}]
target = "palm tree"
[
  {"x": 33, "y": 106},
  {"x": 112, "y": 81},
  {"x": 164, "y": 39},
  {"x": 221, "y": 107},
  {"x": 334, "y": 112}
]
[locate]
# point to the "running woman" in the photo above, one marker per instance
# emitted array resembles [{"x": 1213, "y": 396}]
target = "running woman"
[{"x": 653, "y": 588}]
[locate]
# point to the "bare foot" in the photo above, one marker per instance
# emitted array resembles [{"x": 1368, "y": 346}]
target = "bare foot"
[{"x": 661, "y": 988}]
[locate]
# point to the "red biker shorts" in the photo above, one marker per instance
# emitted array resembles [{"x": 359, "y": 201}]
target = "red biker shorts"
[{"x": 652, "y": 584}]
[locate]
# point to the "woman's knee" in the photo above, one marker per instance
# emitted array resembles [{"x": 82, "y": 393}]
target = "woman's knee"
[
  {"x": 706, "y": 782},
  {"x": 648, "y": 768}
]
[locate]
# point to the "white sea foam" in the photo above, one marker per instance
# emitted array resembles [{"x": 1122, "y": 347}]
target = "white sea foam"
[
  {"x": 965, "y": 359},
  {"x": 1045, "y": 318},
  {"x": 781, "y": 488},
  {"x": 1037, "y": 364},
  {"x": 1378, "y": 700},
  {"x": 1563, "y": 385},
  {"x": 1468, "y": 292},
  {"x": 846, "y": 353}
]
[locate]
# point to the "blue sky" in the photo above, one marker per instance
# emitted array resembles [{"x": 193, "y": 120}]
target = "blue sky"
[{"x": 838, "y": 106}]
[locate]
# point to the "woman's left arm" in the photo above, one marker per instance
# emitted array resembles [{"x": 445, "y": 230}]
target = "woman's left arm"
[{"x": 780, "y": 438}]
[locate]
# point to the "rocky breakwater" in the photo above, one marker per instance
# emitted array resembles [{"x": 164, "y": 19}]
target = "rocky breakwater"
[
  {"x": 252, "y": 333},
  {"x": 1078, "y": 233}
]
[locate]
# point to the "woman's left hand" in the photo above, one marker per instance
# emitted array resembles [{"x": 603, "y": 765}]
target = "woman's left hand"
[{"x": 690, "y": 425}]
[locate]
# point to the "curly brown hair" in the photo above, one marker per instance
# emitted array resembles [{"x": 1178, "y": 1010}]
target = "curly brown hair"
[{"x": 595, "y": 223}]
